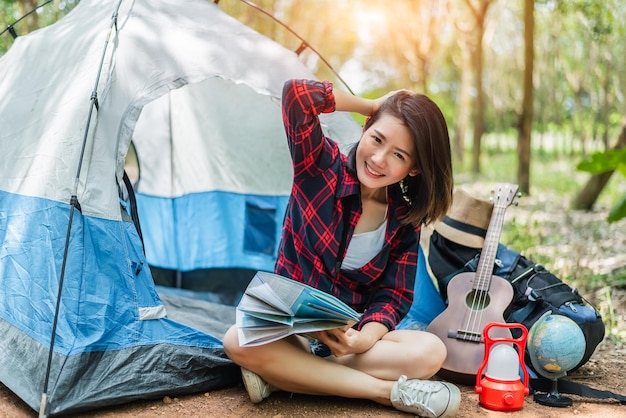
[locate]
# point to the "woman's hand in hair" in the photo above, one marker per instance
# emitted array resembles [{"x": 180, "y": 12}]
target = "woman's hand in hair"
[
  {"x": 377, "y": 103},
  {"x": 349, "y": 103}
]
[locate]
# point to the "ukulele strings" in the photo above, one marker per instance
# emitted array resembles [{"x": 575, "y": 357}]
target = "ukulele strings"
[{"x": 484, "y": 273}]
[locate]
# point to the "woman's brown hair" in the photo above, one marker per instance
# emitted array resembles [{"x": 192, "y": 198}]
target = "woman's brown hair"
[{"x": 429, "y": 193}]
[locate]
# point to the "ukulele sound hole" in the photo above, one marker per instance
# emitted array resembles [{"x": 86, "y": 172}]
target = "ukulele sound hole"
[{"x": 477, "y": 300}]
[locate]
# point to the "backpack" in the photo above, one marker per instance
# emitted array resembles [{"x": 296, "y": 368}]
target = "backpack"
[{"x": 536, "y": 290}]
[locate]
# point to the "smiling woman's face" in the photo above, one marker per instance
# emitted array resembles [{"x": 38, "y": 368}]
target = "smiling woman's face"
[{"x": 385, "y": 154}]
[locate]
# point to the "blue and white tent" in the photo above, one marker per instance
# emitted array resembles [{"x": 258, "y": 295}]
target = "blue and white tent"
[{"x": 197, "y": 93}]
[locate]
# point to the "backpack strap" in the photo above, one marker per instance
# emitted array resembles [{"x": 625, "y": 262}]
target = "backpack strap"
[
  {"x": 521, "y": 314},
  {"x": 470, "y": 266},
  {"x": 506, "y": 260},
  {"x": 574, "y": 388}
]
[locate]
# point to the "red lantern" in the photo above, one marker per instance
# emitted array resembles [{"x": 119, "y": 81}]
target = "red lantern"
[{"x": 502, "y": 389}]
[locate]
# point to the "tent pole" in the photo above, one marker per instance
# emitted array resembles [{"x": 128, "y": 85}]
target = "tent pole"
[
  {"x": 74, "y": 205},
  {"x": 304, "y": 45}
]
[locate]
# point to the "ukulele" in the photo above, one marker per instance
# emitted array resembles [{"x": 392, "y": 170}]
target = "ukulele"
[{"x": 474, "y": 300}]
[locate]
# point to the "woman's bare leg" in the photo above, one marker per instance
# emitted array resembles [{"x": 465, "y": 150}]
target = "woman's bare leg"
[
  {"x": 415, "y": 354},
  {"x": 287, "y": 365}
]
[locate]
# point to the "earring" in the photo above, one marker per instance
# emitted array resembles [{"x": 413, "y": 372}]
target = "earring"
[{"x": 404, "y": 187}]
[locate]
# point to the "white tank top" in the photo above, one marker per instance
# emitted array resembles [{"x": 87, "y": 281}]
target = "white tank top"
[{"x": 363, "y": 247}]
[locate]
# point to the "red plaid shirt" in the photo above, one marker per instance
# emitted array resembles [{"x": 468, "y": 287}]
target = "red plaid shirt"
[{"x": 324, "y": 187}]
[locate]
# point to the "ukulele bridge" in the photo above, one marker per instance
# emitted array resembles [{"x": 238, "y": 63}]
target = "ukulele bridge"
[{"x": 465, "y": 335}]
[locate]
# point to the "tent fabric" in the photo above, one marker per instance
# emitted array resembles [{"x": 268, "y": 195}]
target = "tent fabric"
[
  {"x": 193, "y": 189},
  {"x": 113, "y": 341},
  {"x": 197, "y": 93},
  {"x": 241, "y": 230}
]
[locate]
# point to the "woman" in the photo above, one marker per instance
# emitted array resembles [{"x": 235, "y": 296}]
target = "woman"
[{"x": 352, "y": 229}]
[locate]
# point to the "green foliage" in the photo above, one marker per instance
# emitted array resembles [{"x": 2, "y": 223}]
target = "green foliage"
[
  {"x": 601, "y": 162},
  {"x": 618, "y": 211},
  {"x": 7, "y": 17},
  {"x": 11, "y": 14},
  {"x": 598, "y": 19}
]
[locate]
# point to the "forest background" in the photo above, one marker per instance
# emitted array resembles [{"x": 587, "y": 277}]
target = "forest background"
[{"x": 533, "y": 92}]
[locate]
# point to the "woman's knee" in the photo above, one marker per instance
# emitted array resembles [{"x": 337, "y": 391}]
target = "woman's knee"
[
  {"x": 248, "y": 357},
  {"x": 437, "y": 354},
  {"x": 231, "y": 343},
  {"x": 427, "y": 355}
]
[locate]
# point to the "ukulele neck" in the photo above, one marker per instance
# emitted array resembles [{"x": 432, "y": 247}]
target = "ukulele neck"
[{"x": 484, "y": 270}]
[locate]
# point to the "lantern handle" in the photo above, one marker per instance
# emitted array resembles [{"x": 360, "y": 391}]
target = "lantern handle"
[{"x": 489, "y": 342}]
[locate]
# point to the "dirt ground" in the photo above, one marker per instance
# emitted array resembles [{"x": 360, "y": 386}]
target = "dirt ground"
[{"x": 605, "y": 370}]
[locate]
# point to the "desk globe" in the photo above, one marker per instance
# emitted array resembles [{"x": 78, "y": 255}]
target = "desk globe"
[{"x": 556, "y": 344}]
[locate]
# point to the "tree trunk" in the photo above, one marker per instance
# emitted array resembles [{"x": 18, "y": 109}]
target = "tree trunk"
[
  {"x": 31, "y": 22},
  {"x": 479, "y": 108},
  {"x": 480, "y": 14},
  {"x": 589, "y": 194},
  {"x": 526, "y": 119},
  {"x": 464, "y": 103}
]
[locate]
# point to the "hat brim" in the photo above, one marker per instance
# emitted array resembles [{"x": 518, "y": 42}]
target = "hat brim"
[{"x": 458, "y": 236}]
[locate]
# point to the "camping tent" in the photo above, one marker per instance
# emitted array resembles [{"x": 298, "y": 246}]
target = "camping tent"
[{"x": 198, "y": 95}]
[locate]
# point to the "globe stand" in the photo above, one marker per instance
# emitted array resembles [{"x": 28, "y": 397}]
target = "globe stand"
[{"x": 553, "y": 398}]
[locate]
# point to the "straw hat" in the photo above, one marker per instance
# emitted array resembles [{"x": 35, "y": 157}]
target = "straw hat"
[{"x": 467, "y": 221}]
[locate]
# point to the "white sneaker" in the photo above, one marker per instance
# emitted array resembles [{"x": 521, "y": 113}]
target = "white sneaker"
[
  {"x": 425, "y": 398},
  {"x": 257, "y": 388}
]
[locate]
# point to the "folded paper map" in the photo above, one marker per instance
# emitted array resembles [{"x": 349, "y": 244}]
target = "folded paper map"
[{"x": 274, "y": 307}]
